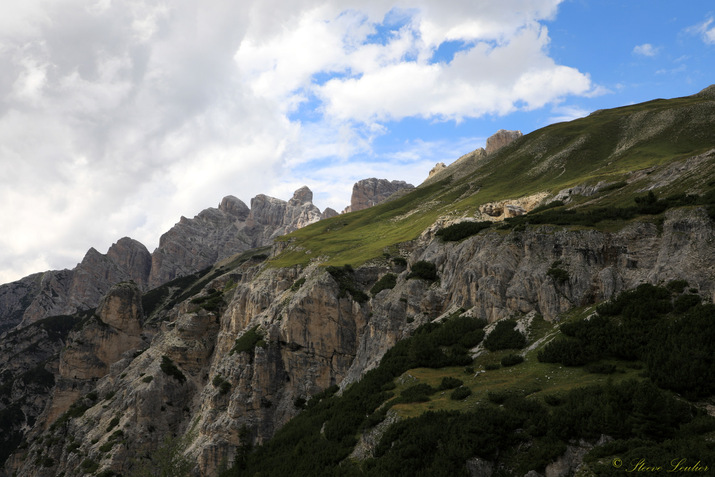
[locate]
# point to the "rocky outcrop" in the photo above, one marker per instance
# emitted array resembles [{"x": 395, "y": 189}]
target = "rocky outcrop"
[
  {"x": 504, "y": 209},
  {"x": 308, "y": 337},
  {"x": 115, "y": 329},
  {"x": 215, "y": 234},
  {"x": 15, "y": 297},
  {"x": 329, "y": 213},
  {"x": 500, "y": 139},
  {"x": 370, "y": 192},
  {"x": 439, "y": 167}
]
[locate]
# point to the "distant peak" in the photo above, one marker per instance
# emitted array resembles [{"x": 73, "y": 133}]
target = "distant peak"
[
  {"x": 708, "y": 92},
  {"x": 233, "y": 206},
  {"x": 303, "y": 195},
  {"x": 500, "y": 139}
]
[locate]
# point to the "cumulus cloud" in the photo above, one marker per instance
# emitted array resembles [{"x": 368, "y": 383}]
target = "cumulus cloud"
[
  {"x": 118, "y": 117},
  {"x": 646, "y": 49}
]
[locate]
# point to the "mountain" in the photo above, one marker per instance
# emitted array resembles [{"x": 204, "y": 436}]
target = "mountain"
[
  {"x": 541, "y": 309},
  {"x": 191, "y": 245},
  {"x": 373, "y": 191}
]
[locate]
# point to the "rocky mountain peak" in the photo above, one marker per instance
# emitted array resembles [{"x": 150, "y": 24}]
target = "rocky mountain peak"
[
  {"x": 500, "y": 139},
  {"x": 303, "y": 195},
  {"x": 234, "y": 207},
  {"x": 372, "y": 191}
]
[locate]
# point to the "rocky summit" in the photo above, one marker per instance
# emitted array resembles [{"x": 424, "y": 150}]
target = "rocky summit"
[{"x": 541, "y": 308}]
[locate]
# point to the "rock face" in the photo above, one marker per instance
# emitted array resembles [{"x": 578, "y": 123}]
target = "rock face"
[
  {"x": 66, "y": 291},
  {"x": 500, "y": 139},
  {"x": 439, "y": 167},
  {"x": 308, "y": 337},
  {"x": 370, "y": 192},
  {"x": 191, "y": 245},
  {"x": 215, "y": 234}
]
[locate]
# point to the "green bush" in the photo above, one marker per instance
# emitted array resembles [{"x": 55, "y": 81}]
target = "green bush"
[
  {"x": 511, "y": 360},
  {"x": 462, "y": 230},
  {"x": 113, "y": 423},
  {"x": 558, "y": 275},
  {"x": 600, "y": 368},
  {"x": 676, "y": 286},
  {"x": 424, "y": 270},
  {"x": 505, "y": 336},
  {"x": 107, "y": 446},
  {"x": 345, "y": 277},
  {"x": 89, "y": 466},
  {"x": 685, "y": 302},
  {"x": 211, "y": 302},
  {"x": 170, "y": 369},
  {"x": 223, "y": 386},
  {"x": 386, "y": 282},
  {"x": 147, "y": 379},
  {"x": 460, "y": 393},
  {"x": 248, "y": 341},
  {"x": 416, "y": 393},
  {"x": 297, "y": 284},
  {"x": 450, "y": 383},
  {"x": 399, "y": 261}
]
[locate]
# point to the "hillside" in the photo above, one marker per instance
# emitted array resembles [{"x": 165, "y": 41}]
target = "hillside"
[
  {"x": 543, "y": 310},
  {"x": 662, "y": 145}
]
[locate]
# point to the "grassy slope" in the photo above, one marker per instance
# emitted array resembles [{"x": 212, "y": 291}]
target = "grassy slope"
[
  {"x": 530, "y": 378},
  {"x": 605, "y": 146}
]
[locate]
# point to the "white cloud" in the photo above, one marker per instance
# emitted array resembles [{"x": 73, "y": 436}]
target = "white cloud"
[
  {"x": 646, "y": 49},
  {"x": 116, "y": 118},
  {"x": 706, "y": 31}
]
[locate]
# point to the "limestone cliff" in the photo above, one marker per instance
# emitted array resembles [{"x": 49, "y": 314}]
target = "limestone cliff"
[
  {"x": 370, "y": 192},
  {"x": 500, "y": 139},
  {"x": 191, "y": 245},
  {"x": 280, "y": 335}
]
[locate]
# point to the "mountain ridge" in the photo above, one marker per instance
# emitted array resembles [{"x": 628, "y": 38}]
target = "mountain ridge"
[{"x": 225, "y": 357}]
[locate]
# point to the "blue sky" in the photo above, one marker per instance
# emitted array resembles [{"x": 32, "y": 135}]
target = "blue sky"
[{"x": 117, "y": 118}]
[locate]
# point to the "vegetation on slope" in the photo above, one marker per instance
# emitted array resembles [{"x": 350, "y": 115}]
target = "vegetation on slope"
[
  {"x": 607, "y": 146},
  {"x": 521, "y": 417}
]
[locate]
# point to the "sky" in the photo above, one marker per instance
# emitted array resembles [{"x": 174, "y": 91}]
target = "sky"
[{"x": 119, "y": 117}]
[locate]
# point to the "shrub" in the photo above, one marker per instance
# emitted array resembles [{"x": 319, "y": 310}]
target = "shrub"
[
  {"x": 399, "y": 261},
  {"x": 211, "y": 302},
  {"x": 462, "y": 230},
  {"x": 113, "y": 423},
  {"x": 223, "y": 386},
  {"x": 147, "y": 379},
  {"x": 511, "y": 360},
  {"x": 297, "y": 284},
  {"x": 498, "y": 397},
  {"x": 492, "y": 366},
  {"x": 417, "y": 393},
  {"x": 345, "y": 277},
  {"x": 386, "y": 282},
  {"x": 107, "y": 446},
  {"x": 88, "y": 466},
  {"x": 248, "y": 341},
  {"x": 504, "y": 336},
  {"x": 450, "y": 383},
  {"x": 558, "y": 275},
  {"x": 685, "y": 302},
  {"x": 424, "y": 270},
  {"x": 460, "y": 393},
  {"x": 170, "y": 369},
  {"x": 677, "y": 286},
  {"x": 601, "y": 368}
]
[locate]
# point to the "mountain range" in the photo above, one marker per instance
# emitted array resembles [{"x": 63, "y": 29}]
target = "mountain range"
[{"x": 279, "y": 340}]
